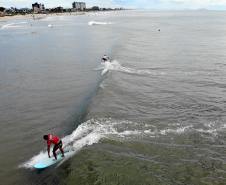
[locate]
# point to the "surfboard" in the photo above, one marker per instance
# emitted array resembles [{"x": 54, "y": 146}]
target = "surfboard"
[{"x": 46, "y": 162}]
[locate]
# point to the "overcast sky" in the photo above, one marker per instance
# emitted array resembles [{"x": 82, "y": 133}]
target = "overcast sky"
[{"x": 140, "y": 4}]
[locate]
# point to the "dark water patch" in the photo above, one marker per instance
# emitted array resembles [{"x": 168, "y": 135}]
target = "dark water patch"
[{"x": 102, "y": 164}]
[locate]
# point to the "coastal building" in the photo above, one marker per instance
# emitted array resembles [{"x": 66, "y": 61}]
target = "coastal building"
[
  {"x": 38, "y": 8},
  {"x": 2, "y": 9},
  {"x": 78, "y": 6}
]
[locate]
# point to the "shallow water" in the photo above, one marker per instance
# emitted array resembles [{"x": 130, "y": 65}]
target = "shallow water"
[{"x": 156, "y": 116}]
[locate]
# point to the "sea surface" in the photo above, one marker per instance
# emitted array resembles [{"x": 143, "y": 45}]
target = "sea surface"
[{"x": 155, "y": 115}]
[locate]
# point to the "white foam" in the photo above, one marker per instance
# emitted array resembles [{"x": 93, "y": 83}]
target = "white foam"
[
  {"x": 87, "y": 133},
  {"x": 93, "y": 130},
  {"x": 150, "y": 133},
  {"x": 13, "y": 25},
  {"x": 212, "y": 128},
  {"x": 209, "y": 131},
  {"x": 92, "y": 23},
  {"x": 105, "y": 67},
  {"x": 102, "y": 85},
  {"x": 34, "y": 160},
  {"x": 179, "y": 130},
  {"x": 114, "y": 65},
  {"x": 130, "y": 132}
]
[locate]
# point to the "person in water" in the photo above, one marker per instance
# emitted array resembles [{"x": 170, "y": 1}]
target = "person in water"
[
  {"x": 105, "y": 58},
  {"x": 52, "y": 139}
]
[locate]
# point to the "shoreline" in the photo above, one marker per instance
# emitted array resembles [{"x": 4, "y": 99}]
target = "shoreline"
[{"x": 41, "y": 16}]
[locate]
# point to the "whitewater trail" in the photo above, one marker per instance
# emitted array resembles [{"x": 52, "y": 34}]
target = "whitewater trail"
[
  {"x": 114, "y": 65},
  {"x": 88, "y": 133},
  {"x": 92, "y": 23},
  {"x": 14, "y": 25},
  {"x": 93, "y": 130}
]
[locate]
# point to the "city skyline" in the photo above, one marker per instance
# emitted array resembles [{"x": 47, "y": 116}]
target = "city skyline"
[{"x": 138, "y": 4}]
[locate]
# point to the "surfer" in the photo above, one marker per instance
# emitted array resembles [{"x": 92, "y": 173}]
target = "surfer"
[
  {"x": 52, "y": 139},
  {"x": 105, "y": 58}
]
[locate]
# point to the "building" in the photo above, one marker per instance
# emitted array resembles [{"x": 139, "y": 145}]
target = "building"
[
  {"x": 38, "y": 8},
  {"x": 79, "y": 6},
  {"x": 2, "y": 9}
]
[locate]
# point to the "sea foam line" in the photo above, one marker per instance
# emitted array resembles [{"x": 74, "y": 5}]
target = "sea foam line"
[
  {"x": 92, "y": 23},
  {"x": 114, "y": 65},
  {"x": 13, "y": 25},
  {"x": 87, "y": 133},
  {"x": 93, "y": 130}
]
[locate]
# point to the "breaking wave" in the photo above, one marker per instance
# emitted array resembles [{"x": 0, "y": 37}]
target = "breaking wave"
[
  {"x": 88, "y": 133},
  {"x": 114, "y": 65},
  {"x": 14, "y": 25},
  {"x": 94, "y": 130}
]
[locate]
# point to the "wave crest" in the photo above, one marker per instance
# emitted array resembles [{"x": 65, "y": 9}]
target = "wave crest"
[
  {"x": 92, "y": 23},
  {"x": 93, "y": 130},
  {"x": 114, "y": 65}
]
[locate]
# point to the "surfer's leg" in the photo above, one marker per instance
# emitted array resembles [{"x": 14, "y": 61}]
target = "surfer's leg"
[
  {"x": 61, "y": 149},
  {"x": 54, "y": 151}
]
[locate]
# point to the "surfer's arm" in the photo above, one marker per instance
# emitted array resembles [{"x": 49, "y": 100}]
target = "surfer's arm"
[{"x": 48, "y": 149}]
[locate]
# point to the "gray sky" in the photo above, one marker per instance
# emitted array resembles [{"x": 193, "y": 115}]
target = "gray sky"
[{"x": 140, "y": 4}]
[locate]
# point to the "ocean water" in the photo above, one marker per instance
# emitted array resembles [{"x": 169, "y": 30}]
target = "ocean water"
[{"x": 155, "y": 115}]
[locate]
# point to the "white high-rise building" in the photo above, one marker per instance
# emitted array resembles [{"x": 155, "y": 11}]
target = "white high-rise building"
[
  {"x": 38, "y": 8},
  {"x": 79, "y": 6}
]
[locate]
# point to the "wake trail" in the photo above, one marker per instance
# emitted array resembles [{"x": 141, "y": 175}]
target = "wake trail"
[
  {"x": 114, "y": 65},
  {"x": 87, "y": 133},
  {"x": 93, "y": 23},
  {"x": 14, "y": 25},
  {"x": 94, "y": 130}
]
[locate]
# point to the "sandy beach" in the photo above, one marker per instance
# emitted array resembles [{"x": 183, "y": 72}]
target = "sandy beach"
[{"x": 40, "y": 16}]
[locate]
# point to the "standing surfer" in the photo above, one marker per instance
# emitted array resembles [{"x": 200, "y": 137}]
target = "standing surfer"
[
  {"x": 52, "y": 139},
  {"x": 105, "y": 58}
]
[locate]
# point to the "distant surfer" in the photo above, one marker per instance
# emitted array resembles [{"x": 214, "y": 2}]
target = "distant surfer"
[
  {"x": 105, "y": 58},
  {"x": 52, "y": 139}
]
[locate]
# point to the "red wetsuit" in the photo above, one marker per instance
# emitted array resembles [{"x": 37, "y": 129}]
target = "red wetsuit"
[{"x": 52, "y": 139}]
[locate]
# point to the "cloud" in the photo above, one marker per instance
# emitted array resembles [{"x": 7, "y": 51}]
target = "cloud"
[
  {"x": 173, "y": 4},
  {"x": 197, "y": 2}
]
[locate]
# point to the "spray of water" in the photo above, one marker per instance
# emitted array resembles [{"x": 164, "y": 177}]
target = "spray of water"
[
  {"x": 92, "y": 23},
  {"x": 94, "y": 130},
  {"x": 14, "y": 25},
  {"x": 114, "y": 65}
]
